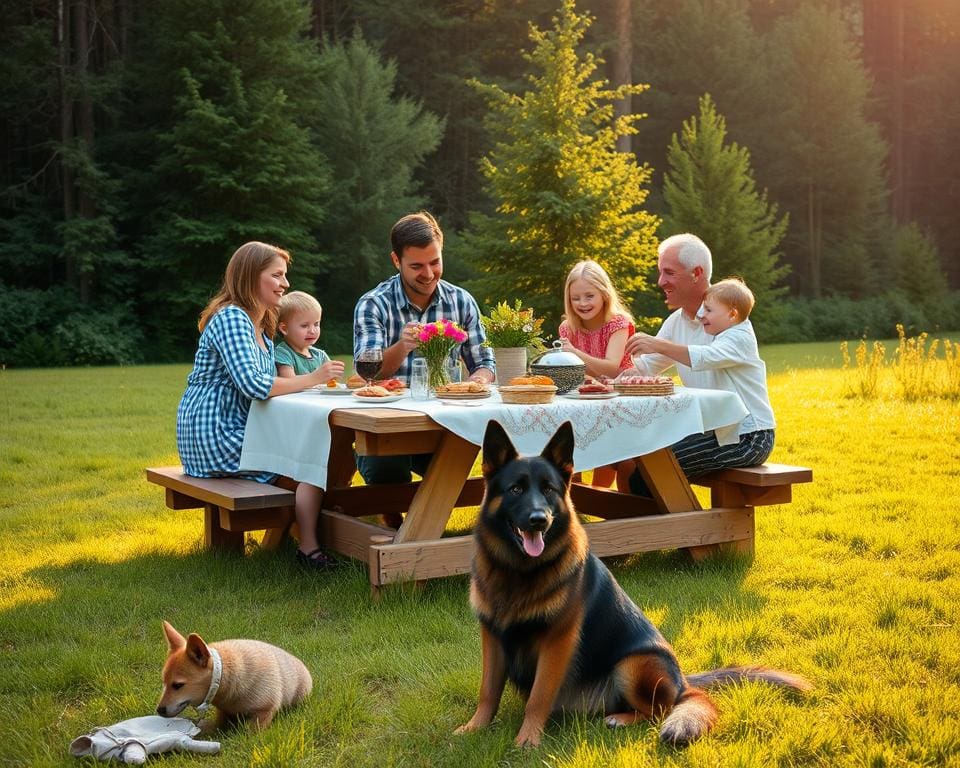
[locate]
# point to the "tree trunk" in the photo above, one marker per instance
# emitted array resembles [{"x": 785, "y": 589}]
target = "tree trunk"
[
  {"x": 623, "y": 64},
  {"x": 813, "y": 237},
  {"x": 66, "y": 125},
  {"x": 884, "y": 49},
  {"x": 86, "y": 207}
]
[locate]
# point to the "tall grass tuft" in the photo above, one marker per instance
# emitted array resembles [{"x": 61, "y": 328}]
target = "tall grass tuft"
[
  {"x": 864, "y": 382},
  {"x": 951, "y": 353},
  {"x": 915, "y": 369},
  {"x": 917, "y": 373}
]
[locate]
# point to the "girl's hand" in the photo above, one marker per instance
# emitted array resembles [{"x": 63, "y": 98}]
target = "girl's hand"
[{"x": 329, "y": 370}]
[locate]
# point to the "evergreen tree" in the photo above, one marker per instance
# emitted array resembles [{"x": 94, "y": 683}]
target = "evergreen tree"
[
  {"x": 688, "y": 48},
  {"x": 562, "y": 191},
  {"x": 823, "y": 157},
  {"x": 438, "y": 46},
  {"x": 709, "y": 190},
  {"x": 229, "y": 91},
  {"x": 916, "y": 269},
  {"x": 374, "y": 141}
]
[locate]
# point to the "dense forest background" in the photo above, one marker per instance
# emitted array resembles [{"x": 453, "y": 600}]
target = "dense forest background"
[{"x": 811, "y": 143}]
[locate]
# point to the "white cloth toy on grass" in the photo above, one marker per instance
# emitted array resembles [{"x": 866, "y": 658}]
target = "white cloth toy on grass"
[{"x": 132, "y": 740}]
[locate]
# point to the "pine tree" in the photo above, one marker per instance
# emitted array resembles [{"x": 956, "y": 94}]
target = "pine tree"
[
  {"x": 562, "y": 191},
  {"x": 227, "y": 146},
  {"x": 710, "y": 191},
  {"x": 374, "y": 141},
  {"x": 823, "y": 157}
]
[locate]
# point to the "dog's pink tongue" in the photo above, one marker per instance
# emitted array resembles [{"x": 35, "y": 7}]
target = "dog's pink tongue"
[{"x": 532, "y": 543}]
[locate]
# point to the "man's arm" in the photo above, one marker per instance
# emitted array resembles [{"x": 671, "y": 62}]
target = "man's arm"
[
  {"x": 370, "y": 332},
  {"x": 651, "y": 364},
  {"x": 396, "y": 353},
  {"x": 645, "y": 345},
  {"x": 479, "y": 358}
]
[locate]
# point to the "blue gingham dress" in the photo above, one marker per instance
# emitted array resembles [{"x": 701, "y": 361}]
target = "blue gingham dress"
[{"x": 229, "y": 371}]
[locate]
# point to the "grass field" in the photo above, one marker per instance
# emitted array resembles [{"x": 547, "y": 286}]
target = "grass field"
[{"x": 856, "y": 585}]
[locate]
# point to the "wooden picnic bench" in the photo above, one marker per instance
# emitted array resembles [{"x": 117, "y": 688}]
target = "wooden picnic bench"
[
  {"x": 234, "y": 506},
  {"x": 231, "y": 506}
]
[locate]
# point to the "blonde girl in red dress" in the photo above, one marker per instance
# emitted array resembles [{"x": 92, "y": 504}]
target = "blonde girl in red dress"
[{"x": 596, "y": 325}]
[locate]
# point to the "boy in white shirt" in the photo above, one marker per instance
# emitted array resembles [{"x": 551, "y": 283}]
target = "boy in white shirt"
[{"x": 734, "y": 358}]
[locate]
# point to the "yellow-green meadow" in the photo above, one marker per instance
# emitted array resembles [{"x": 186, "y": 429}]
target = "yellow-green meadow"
[{"x": 855, "y": 584}]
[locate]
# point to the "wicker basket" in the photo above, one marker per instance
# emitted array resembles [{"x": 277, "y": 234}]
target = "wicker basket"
[
  {"x": 528, "y": 394},
  {"x": 650, "y": 390}
]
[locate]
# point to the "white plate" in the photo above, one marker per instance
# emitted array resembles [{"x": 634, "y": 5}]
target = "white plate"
[
  {"x": 385, "y": 399},
  {"x": 335, "y": 391},
  {"x": 591, "y": 395}
]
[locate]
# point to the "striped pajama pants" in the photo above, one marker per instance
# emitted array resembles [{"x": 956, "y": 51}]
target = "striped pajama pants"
[{"x": 699, "y": 454}]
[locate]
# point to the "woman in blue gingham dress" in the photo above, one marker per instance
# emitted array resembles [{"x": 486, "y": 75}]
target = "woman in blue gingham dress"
[
  {"x": 230, "y": 370},
  {"x": 235, "y": 365}
]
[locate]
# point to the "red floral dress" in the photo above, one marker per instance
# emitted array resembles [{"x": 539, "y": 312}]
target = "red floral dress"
[{"x": 595, "y": 343}]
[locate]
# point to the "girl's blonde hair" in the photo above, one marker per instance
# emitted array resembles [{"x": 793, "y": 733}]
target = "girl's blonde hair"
[
  {"x": 296, "y": 302},
  {"x": 596, "y": 276},
  {"x": 733, "y": 293},
  {"x": 241, "y": 284}
]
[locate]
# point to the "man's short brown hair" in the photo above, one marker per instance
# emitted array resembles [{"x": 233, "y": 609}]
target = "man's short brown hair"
[{"x": 417, "y": 230}]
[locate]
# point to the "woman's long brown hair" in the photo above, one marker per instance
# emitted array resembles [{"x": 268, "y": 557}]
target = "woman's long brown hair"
[{"x": 241, "y": 283}]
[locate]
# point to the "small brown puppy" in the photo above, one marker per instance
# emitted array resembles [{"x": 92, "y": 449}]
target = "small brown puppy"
[{"x": 241, "y": 678}]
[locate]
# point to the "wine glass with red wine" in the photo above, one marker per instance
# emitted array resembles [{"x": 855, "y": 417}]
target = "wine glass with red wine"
[{"x": 368, "y": 363}]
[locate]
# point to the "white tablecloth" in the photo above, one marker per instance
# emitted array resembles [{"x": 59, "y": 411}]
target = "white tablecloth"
[{"x": 290, "y": 435}]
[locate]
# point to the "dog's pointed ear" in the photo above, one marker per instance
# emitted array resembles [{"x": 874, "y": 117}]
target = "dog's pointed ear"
[
  {"x": 175, "y": 640},
  {"x": 497, "y": 448},
  {"x": 197, "y": 650},
  {"x": 559, "y": 451}
]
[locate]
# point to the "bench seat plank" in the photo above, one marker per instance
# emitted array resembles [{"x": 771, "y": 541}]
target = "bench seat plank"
[
  {"x": 230, "y": 493},
  {"x": 764, "y": 476}
]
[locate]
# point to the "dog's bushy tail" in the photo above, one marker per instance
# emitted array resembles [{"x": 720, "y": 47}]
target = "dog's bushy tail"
[
  {"x": 690, "y": 718},
  {"x": 728, "y": 675}
]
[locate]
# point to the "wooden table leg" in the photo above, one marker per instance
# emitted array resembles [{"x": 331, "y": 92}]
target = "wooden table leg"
[
  {"x": 437, "y": 494},
  {"x": 673, "y": 493},
  {"x": 341, "y": 466},
  {"x": 670, "y": 488}
]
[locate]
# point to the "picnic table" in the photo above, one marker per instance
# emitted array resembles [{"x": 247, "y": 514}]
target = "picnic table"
[{"x": 311, "y": 437}]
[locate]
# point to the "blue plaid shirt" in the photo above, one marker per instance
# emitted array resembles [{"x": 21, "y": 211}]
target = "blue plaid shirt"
[
  {"x": 230, "y": 370},
  {"x": 381, "y": 313}
]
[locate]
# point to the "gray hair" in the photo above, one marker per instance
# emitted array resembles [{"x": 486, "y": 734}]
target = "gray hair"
[{"x": 691, "y": 251}]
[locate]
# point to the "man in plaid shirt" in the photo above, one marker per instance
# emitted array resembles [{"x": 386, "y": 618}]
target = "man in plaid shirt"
[{"x": 390, "y": 316}]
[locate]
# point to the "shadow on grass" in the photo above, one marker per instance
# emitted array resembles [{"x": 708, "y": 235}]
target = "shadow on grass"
[{"x": 393, "y": 676}]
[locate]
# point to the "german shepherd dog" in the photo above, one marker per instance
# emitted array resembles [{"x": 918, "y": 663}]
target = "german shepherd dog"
[{"x": 555, "y": 621}]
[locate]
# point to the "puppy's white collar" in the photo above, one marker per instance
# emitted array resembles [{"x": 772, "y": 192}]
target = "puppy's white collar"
[{"x": 214, "y": 681}]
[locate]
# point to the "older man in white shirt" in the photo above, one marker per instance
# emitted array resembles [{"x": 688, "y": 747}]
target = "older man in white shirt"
[{"x": 685, "y": 266}]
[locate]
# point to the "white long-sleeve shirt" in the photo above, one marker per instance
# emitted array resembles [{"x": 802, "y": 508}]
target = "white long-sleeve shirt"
[
  {"x": 729, "y": 361},
  {"x": 734, "y": 358},
  {"x": 680, "y": 329}
]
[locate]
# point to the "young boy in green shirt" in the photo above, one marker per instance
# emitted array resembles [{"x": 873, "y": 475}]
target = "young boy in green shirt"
[{"x": 299, "y": 324}]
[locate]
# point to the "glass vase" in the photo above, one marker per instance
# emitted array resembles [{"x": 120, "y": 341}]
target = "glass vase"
[{"x": 438, "y": 373}]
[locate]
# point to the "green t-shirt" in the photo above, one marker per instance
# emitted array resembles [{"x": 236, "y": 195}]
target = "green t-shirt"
[{"x": 286, "y": 356}]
